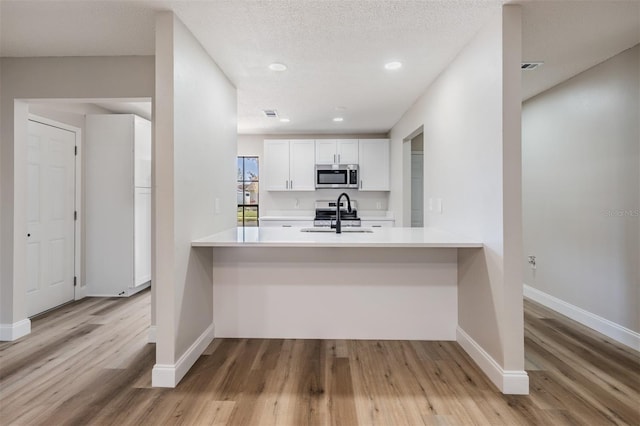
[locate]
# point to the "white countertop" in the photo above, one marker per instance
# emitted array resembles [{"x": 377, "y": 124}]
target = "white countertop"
[{"x": 294, "y": 237}]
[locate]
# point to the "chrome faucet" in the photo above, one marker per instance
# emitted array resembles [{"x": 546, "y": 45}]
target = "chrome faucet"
[{"x": 338, "y": 225}]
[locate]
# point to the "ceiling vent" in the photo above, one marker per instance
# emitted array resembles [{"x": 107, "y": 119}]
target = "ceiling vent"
[
  {"x": 530, "y": 66},
  {"x": 270, "y": 113}
]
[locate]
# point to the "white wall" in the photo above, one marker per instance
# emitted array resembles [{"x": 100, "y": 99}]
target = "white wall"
[
  {"x": 302, "y": 202},
  {"x": 195, "y": 158},
  {"x": 25, "y": 79},
  {"x": 581, "y": 190},
  {"x": 471, "y": 129}
]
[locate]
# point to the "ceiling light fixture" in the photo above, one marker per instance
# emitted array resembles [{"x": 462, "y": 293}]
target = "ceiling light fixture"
[
  {"x": 277, "y": 67},
  {"x": 393, "y": 65},
  {"x": 284, "y": 120},
  {"x": 338, "y": 119}
]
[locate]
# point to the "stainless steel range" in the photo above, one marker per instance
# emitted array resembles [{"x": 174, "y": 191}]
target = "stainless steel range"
[{"x": 326, "y": 214}]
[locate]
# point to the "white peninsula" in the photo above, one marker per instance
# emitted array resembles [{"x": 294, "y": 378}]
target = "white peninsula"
[{"x": 392, "y": 283}]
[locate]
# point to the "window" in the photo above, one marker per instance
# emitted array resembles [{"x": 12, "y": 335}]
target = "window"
[{"x": 248, "y": 191}]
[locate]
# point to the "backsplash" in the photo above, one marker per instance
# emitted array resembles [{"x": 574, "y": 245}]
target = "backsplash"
[{"x": 275, "y": 203}]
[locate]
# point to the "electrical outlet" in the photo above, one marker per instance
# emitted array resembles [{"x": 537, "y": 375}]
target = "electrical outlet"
[
  {"x": 532, "y": 262},
  {"x": 379, "y": 205}
]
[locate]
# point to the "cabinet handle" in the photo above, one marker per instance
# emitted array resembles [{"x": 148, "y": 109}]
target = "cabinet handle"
[
  {"x": 338, "y": 158},
  {"x": 286, "y": 184},
  {"x": 360, "y": 183},
  {"x": 286, "y": 226},
  {"x": 334, "y": 159}
]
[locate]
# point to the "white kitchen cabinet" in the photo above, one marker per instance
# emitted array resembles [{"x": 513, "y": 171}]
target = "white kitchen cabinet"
[
  {"x": 374, "y": 164},
  {"x": 381, "y": 223},
  {"x": 286, "y": 223},
  {"x": 336, "y": 151},
  {"x": 117, "y": 153},
  {"x": 142, "y": 236},
  {"x": 276, "y": 165},
  {"x": 289, "y": 165}
]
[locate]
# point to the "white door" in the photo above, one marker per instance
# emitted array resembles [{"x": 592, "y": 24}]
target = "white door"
[
  {"x": 417, "y": 190},
  {"x": 50, "y": 217}
]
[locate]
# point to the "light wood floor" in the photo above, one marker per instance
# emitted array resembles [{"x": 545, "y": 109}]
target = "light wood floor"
[{"x": 89, "y": 363}]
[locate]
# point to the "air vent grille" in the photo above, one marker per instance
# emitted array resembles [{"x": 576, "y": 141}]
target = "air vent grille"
[
  {"x": 270, "y": 113},
  {"x": 529, "y": 66}
]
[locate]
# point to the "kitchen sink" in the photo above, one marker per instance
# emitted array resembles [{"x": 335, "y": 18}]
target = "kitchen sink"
[{"x": 345, "y": 230}]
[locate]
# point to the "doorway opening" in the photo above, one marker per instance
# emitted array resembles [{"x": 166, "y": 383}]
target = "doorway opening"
[
  {"x": 417, "y": 181},
  {"x": 413, "y": 179},
  {"x": 53, "y": 140}
]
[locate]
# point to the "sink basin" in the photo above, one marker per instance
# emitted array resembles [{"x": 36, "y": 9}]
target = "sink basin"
[{"x": 347, "y": 229}]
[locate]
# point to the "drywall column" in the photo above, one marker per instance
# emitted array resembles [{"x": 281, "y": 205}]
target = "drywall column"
[
  {"x": 513, "y": 323},
  {"x": 470, "y": 116},
  {"x": 195, "y": 176},
  {"x": 45, "y": 78},
  {"x": 491, "y": 323}
]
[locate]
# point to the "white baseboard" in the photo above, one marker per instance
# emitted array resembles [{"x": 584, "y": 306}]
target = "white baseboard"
[
  {"x": 610, "y": 329},
  {"x": 512, "y": 382},
  {"x": 11, "y": 332},
  {"x": 152, "y": 334},
  {"x": 169, "y": 375}
]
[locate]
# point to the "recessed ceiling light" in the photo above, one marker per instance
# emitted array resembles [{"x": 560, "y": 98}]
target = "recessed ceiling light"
[
  {"x": 277, "y": 67},
  {"x": 284, "y": 120},
  {"x": 338, "y": 119},
  {"x": 393, "y": 65}
]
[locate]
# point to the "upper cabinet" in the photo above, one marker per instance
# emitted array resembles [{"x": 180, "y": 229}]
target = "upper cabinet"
[
  {"x": 142, "y": 152},
  {"x": 289, "y": 165},
  {"x": 374, "y": 164},
  {"x": 336, "y": 151}
]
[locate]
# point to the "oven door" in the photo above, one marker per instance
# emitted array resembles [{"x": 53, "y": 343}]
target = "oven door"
[{"x": 331, "y": 178}]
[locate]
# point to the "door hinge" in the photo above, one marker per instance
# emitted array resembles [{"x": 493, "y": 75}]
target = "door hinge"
[
  {"x": 75, "y": 281},
  {"x": 75, "y": 215},
  {"x": 75, "y": 150}
]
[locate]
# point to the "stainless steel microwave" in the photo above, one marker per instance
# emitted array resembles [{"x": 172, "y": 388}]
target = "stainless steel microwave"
[{"x": 337, "y": 176}]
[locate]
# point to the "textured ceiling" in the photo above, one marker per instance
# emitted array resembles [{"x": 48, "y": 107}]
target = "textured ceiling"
[
  {"x": 335, "y": 50},
  {"x": 572, "y": 36}
]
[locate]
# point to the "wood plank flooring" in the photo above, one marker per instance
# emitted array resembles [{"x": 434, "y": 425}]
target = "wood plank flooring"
[{"x": 88, "y": 363}]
